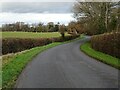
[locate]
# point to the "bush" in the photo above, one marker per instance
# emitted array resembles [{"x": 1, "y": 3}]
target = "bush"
[
  {"x": 64, "y": 39},
  {"x": 12, "y": 45},
  {"x": 108, "y": 43}
]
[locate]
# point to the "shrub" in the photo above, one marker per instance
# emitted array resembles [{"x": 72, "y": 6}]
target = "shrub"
[
  {"x": 12, "y": 45},
  {"x": 60, "y": 39},
  {"x": 108, "y": 43}
]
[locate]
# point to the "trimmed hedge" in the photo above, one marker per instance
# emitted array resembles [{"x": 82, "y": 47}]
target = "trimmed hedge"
[
  {"x": 108, "y": 43},
  {"x": 12, "y": 45},
  {"x": 60, "y": 39}
]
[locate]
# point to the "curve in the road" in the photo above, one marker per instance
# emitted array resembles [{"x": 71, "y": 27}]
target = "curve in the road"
[{"x": 65, "y": 66}]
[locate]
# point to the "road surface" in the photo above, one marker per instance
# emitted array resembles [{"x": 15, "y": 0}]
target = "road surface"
[{"x": 65, "y": 66}]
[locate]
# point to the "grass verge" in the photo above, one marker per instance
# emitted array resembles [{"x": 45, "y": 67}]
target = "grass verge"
[
  {"x": 15, "y": 63},
  {"x": 12, "y": 69},
  {"x": 105, "y": 58}
]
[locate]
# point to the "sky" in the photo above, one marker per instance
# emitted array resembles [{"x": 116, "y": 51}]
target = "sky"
[
  {"x": 35, "y": 11},
  {"x": 37, "y": 0}
]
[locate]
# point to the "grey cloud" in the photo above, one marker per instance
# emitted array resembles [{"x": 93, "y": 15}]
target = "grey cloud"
[{"x": 37, "y": 7}]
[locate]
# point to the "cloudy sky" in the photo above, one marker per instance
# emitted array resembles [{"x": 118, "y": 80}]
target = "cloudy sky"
[{"x": 34, "y": 11}]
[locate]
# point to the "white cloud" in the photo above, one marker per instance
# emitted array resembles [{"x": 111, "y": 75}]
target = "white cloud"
[
  {"x": 35, "y": 18},
  {"x": 59, "y": 0},
  {"x": 37, "y": 0},
  {"x": 37, "y": 7}
]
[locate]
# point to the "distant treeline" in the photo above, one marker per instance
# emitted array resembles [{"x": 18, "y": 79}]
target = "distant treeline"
[{"x": 40, "y": 27}]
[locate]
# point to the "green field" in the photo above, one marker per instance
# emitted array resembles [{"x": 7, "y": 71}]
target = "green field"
[
  {"x": 105, "y": 58},
  {"x": 30, "y": 35}
]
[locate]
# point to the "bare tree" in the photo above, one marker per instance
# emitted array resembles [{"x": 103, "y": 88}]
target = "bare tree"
[
  {"x": 96, "y": 15},
  {"x": 62, "y": 30}
]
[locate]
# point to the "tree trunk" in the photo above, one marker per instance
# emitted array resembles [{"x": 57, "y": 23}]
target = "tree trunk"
[
  {"x": 106, "y": 17},
  {"x": 63, "y": 35}
]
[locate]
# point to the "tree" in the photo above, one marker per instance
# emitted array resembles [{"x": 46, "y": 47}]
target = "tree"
[
  {"x": 62, "y": 30},
  {"x": 39, "y": 27},
  {"x": 25, "y": 28},
  {"x": 50, "y": 26},
  {"x": 56, "y": 28},
  {"x": 75, "y": 28},
  {"x": 96, "y": 16}
]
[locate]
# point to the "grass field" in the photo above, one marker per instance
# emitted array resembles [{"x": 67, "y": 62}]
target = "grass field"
[
  {"x": 105, "y": 58},
  {"x": 30, "y": 35}
]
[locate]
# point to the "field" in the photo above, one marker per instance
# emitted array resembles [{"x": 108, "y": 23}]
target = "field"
[{"x": 29, "y": 35}]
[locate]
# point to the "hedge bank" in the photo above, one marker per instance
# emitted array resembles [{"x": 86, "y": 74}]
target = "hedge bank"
[
  {"x": 13, "y": 45},
  {"x": 108, "y": 43}
]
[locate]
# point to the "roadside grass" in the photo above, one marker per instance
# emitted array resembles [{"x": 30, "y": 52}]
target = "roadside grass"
[
  {"x": 13, "y": 64},
  {"x": 30, "y": 34},
  {"x": 12, "y": 69},
  {"x": 9, "y": 57},
  {"x": 105, "y": 58}
]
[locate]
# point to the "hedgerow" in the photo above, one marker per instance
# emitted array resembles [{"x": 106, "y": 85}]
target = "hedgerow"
[
  {"x": 108, "y": 43},
  {"x": 12, "y": 45}
]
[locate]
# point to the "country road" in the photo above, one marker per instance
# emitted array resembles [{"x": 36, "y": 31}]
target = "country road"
[{"x": 65, "y": 66}]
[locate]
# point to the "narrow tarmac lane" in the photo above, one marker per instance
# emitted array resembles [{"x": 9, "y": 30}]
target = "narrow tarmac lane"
[{"x": 65, "y": 66}]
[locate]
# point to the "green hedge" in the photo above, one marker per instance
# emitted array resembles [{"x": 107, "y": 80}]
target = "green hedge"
[
  {"x": 108, "y": 43},
  {"x": 12, "y": 45}
]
